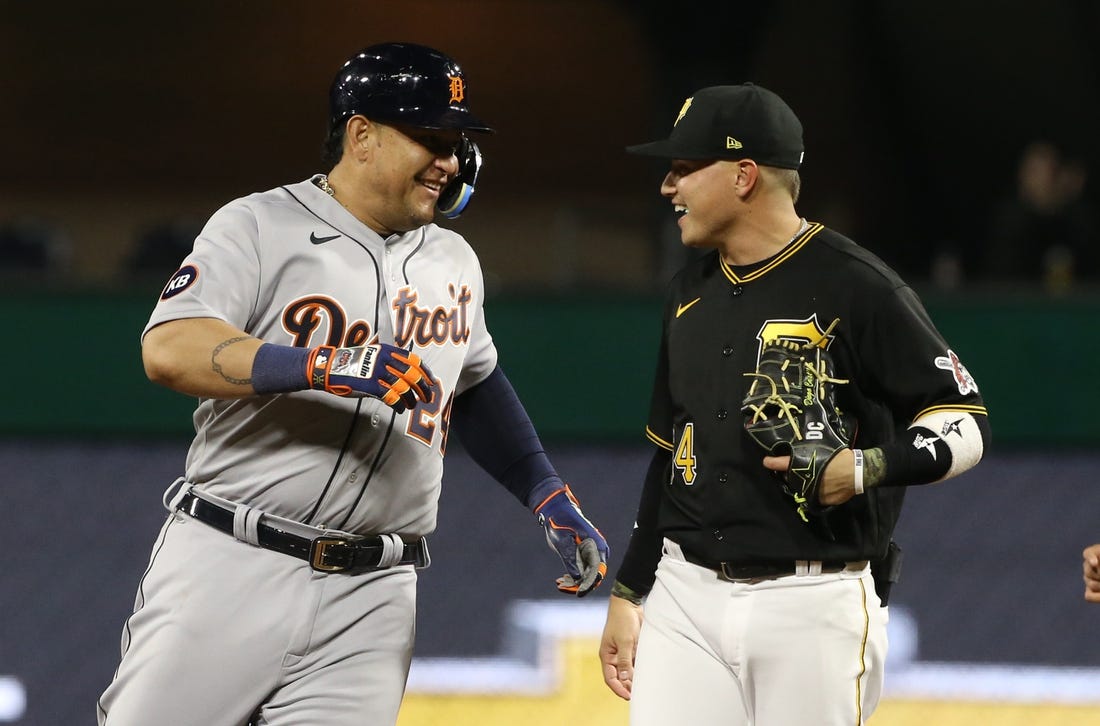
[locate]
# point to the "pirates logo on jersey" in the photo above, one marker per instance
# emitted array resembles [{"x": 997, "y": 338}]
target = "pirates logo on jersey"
[
  {"x": 183, "y": 278},
  {"x": 806, "y": 330},
  {"x": 963, "y": 379}
]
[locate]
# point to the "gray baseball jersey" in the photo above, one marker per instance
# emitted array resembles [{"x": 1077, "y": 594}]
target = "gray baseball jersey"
[{"x": 293, "y": 267}]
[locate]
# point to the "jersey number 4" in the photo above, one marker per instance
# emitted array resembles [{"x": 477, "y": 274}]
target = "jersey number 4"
[{"x": 684, "y": 461}]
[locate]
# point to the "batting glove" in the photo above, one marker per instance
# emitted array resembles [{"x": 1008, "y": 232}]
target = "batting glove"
[
  {"x": 576, "y": 540},
  {"x": 396, "y": 376}
]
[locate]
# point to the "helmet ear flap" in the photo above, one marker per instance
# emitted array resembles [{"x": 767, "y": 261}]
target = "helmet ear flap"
[{"x": 456, "y": 195}]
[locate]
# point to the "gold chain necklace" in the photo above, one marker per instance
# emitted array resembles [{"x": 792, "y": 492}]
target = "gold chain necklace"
[{"x": 322, "y": 181}]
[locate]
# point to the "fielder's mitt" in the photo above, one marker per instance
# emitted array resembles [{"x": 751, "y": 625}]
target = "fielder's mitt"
[{"x": 790, "y": 409}]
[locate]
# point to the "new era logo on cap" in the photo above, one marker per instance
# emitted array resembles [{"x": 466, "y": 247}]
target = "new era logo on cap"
[{"x": 732, "y": 122}]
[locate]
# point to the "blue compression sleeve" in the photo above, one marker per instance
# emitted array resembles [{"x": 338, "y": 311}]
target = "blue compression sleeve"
[
  {"x": 279, "y": 369},
  {"x": 498, "y": 434}
]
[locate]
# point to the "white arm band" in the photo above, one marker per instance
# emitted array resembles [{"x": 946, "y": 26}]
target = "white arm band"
[
  {"x": 959, "y": 432},
  {"x": 859, "y": 470}
]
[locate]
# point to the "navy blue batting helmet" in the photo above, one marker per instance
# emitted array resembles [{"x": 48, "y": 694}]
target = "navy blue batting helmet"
[{"x": 403, "y": 83}]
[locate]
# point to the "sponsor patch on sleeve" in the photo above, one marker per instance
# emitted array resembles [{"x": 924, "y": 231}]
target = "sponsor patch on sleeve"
[
  {"x": 183, "y": 278},
  {"x": 963, "y": 379}
]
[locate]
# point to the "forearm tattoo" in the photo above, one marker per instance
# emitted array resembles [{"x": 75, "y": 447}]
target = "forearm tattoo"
[
  {"x": 217, "y": 368},
  {"x": 874, "y": 467}
]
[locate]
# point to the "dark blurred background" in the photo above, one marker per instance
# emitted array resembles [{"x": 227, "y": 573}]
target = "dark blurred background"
[
  {"x": 957, "y": 140},
  {"x": 127, "y": 124}
]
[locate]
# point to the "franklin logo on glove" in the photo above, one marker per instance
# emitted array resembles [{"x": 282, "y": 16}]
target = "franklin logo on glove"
[{"x": 369, "y": 356}]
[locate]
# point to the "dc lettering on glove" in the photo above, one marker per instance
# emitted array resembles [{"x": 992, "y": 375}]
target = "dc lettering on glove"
[
  {"x": 790, "y": 410},
  {"x": 398, "y": 377},
  {"x": 576, "y": 540}
]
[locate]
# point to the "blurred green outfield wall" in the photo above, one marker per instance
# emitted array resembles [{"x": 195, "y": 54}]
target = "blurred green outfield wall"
[{"x": 582, "y": 364}]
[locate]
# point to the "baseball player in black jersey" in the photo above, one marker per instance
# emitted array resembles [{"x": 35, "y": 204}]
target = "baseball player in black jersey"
[
  {"x": 331, "y": 334},
  {"x": 755, "y": 611}
]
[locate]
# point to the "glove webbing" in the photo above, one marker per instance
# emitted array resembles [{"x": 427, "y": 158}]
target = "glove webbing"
[{"x": 786, "y": 408}]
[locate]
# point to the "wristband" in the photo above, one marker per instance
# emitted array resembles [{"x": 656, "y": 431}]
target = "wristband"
[
  {"x": 859, "y": 470},
  {"x": 622, "y": 591},
  {"x": 279, "y": 369}
]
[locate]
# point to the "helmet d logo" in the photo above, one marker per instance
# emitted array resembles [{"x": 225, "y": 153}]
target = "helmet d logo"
[
  {"x": 458, "y": 89},
  {"x": 403, "y": 83}
]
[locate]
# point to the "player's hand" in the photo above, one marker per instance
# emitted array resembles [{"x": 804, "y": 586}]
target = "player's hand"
[
  {"x": 837, "y": 481},
  {"x": 576, "y": 540},
  {"x": 1091, "y": 567},
  {"x": 619, "y": 645},
  {"x": 395, "y": 376}
]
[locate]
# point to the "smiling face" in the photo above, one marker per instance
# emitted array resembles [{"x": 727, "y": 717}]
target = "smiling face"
[
  {"x": 412, "y": 166},
  {"x": 390, "y": 176},
  {"x": 703, "y": 193}
]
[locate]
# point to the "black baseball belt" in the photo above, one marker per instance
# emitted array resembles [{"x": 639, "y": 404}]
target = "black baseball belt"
[
  {"x": 324, "y": 554},
  {"x": 761, "y": 571}
]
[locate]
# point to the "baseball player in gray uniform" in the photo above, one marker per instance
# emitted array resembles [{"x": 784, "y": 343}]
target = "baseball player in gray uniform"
[{"x": 331, "y": 334}]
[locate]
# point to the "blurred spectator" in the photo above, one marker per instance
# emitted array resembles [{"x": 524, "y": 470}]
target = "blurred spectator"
[
  {"x": 159, "y": 250},
  {"x": 946, "y": 269},
  {"x": 32, "y": 246},
  {"x": 1044, "y": 232}
]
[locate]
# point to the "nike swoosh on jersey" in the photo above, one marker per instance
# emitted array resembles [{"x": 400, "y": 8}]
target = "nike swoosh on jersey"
[
  {"x": 320, "y": 240},
  {"x": 681, "y": 309}
]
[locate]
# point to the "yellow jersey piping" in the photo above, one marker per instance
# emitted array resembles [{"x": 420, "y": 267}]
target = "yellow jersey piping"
[
  {"x": 657, "y": 439},
  {"x": 960, "y": 408},
  {"x": 787, "y": 253}
]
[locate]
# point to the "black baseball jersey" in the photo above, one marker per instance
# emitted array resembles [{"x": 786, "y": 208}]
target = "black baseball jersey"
[{"x": 720, "y": 503}]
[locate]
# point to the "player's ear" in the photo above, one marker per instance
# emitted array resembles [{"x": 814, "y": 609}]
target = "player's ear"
[
  {"x": 745, "y": 177},
  {"x": 357, "y": 133}
]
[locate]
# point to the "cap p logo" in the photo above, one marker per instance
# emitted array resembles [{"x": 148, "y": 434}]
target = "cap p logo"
[
  {"x": 683, "y": 110},
  {"x": 732, "y": 143},
  {"x": 458, "y": 89}
]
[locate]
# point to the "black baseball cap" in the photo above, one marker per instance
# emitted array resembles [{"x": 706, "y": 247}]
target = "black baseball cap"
[{"x": 732, "y": 122}]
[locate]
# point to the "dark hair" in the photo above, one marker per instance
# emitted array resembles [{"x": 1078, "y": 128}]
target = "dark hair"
[{"x": 333, "y": 148}]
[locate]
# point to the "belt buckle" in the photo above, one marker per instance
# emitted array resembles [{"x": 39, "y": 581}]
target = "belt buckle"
[
  {"x": 320, "y": 552},
  {"x": 726, "y": 572}
]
